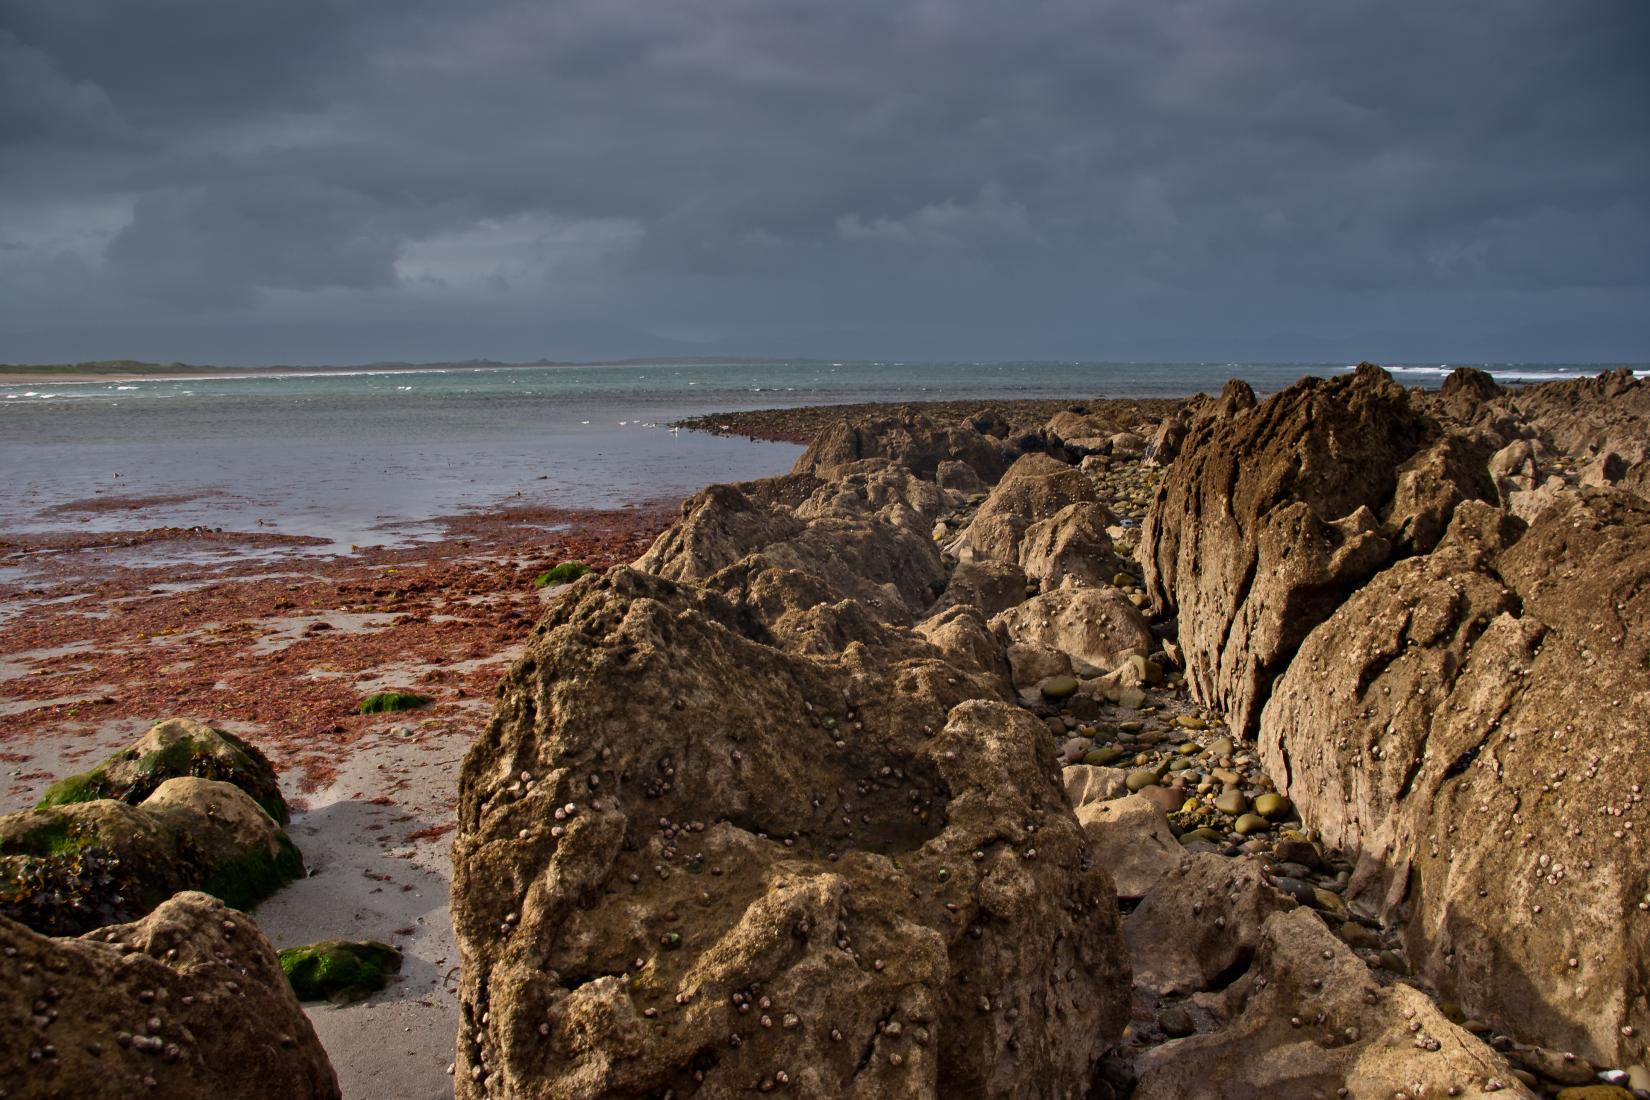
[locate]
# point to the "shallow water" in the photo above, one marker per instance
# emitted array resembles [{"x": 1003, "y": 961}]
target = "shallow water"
[{"x": 371, "y": 457}]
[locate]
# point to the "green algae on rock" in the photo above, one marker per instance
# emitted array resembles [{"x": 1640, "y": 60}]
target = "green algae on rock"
[
  {"x": 340, "y": 971},
  {"x": 172, "y": 748},
  {"x": 71, "y": 868},
  {"x": 385, "y": 701},
  {"x": 561, "y": 574}
]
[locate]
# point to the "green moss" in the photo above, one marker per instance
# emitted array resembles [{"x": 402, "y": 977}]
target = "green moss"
[
  {"x": 88, "y": 787},
  {"x": 561, "y": 574},
  {"x": 392, "y": 700},
  {"x": 249, "y": 878},
  {"x": 339, "y": 970},
  {"x": 246, "y": 770},
  {"x": 59, "y": 836}
]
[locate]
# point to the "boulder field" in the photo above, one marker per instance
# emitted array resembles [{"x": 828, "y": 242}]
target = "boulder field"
[{"x": 896, "y": 776}]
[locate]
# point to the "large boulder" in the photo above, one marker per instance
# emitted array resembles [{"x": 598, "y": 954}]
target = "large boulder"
[
  {"x": 1094, "y": 627},
  {"x": 1270, "y": 516},
  {"x": 690, "y": 861},
  {"x": 70, "y": 868},
  {"x": 1309, "y": 1020},
  {"x": 1199, "y": 924},
  {"x": 1130, "y": 837},
  {"x": 188, "y": 1003},
  {"x": 170, "y": 749},
  {"x": 1472, "y": 724},
  {"x": 1036, "y": 487},
  {"x": 1071, "y": 548}
]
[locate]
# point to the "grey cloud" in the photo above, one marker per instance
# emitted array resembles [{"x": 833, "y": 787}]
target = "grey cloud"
[{"x": 946, "y": 178}]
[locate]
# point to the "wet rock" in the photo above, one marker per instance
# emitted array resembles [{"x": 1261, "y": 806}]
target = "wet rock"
[
  {"x": 1130, "y": 837},
  {"x": 71, "y": 868},
  {"x": 1200, "y": 924},
  {"x": 171, "y": 749},
  {"x": 189, "y": 1002},
  {"x": 1308, "y": 1019},
  {"x": 658, "y": 826}
]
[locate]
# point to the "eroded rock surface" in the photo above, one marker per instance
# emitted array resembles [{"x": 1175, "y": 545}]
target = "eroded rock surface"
[
  {"x": 1472, "y": 722},
  {"x": 189, "y": 1002},
  {"x": 1308, "y": 1020},
  {"x": 688, "y": 860}
]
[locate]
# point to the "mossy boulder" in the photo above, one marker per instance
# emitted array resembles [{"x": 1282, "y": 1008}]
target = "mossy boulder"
[
  {"x": 340, "y": 971},
  {"x": 384, "y": 702},
  {"x": 171, "y": 749},
  {"x": 564, "y": 573},
  {"x": 70, "y": 868}
]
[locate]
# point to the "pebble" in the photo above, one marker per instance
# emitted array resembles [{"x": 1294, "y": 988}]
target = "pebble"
[
  {"x": 1232, "y": 802},
  {"x": 1272, "y": 806},
  {"x": 1140, "y": 779},
  {"x": 1249, "y": 823},
  {"x": 1164, "y": 798},
  {"x": 1059, "y": 687},
  {"x": 1176, "y": 1022}
]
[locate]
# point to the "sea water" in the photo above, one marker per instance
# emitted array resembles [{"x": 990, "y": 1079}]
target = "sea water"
[{"x": 371, "y": 456}]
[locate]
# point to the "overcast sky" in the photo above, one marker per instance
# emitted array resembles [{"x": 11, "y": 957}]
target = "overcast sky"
[{"x": 252, "y": 181}]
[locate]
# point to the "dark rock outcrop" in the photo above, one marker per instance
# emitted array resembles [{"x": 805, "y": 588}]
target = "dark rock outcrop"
[
  {"x": 688, "y": 860},
  {"x": 188, "y": 1003},
  {"x": 911, "y": 440}
]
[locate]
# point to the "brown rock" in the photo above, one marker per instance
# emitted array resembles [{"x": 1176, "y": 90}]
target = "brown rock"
[
  {"x": 1070, "y": 548},
  {"x": 1094, "y": 627},
  {"x": 1130, "y": 838},
  {"x": 909, "y": 439},
  {"x": 189, "y": 1002},
  {"x": 1471, "y": 723},
  {"x": 1036, "y": 487},
  {"x": 720, "y": 843},
  {"x": 1272, "y": 515},
  {"x": 1200, "y": 924},
  {"x": 1309, "y": 1019}
]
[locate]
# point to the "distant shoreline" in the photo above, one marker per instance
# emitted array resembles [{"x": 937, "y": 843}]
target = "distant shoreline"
[{"x": 125, "y": 371}]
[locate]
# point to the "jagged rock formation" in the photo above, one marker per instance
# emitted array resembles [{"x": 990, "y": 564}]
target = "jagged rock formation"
[
  {"x": 71, "y": 868},
  {"x": 1273, "y": 514},
  {"x": 170, "y": 749},
  {"x": 1036, "y": 487},
  {"x": 691, "y": 860},
  {"x": 1443, "y": 626},
  {"x": 189, "y": 1002},
  {"x": 1308, "y": 1019},
  {"x": 1472, "y": 722}
]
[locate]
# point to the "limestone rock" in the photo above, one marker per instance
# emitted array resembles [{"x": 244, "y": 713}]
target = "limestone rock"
[
  {"x": 1130, "y": 837},
  {"x": 1272, "y": 515},
  {"x": 172, "y": 748},
  {"x": 1070, "y": 548},
  {"x": 1471, "y": 723},
  {"x": 72, "y": 868},
  {"x": 909, "y": 439},
  {"x": 991, "y": 586},
  {"x": 1094, "y": 627},
  {"x": 1200, "y": 924},
  {"x": 666, "y": 820},
  {"x": 1087, "y": 783},
  {"x": 188, "y": 1003},
  {"x": 1036, "y": 487},
  {"x": 1309, "y": 1019}
]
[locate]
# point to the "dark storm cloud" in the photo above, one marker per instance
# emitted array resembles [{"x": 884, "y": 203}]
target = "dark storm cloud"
[{"x": 322, "y": 180}]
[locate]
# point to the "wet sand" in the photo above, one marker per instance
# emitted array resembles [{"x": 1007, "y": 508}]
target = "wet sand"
[{"x": 106, "y": 632}]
